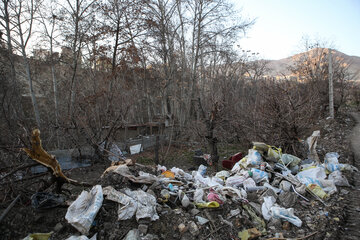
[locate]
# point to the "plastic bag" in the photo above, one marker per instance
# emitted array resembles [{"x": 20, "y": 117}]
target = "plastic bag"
[
  {"x": 286, "y": 214},
  {"x": 266, "y": 206},
  {"x": 312, "y": 175},
  {"x": 214, "y": 197},
  {"x": 332, "y": 164},
  {"x": 339, "y": 179},
  {"x": 290, "y": 160},
  {"x": 199, "y": 195},
  {"x": 223, "y": 174},
  {"x": 45, "y": 200},
  {"x": 312, "y": 142},
  {"x": 128, "y": 206},
  {"x": 184, "y": 199},
  {"x": 285, "y": 186},
  {"x": 202, "y": 170},
  {"x": 274, "y": 153},
  {"x": 234, "y": 192},
  {"x": 259, "y": 175},
  {"x": 249, "y": 183},
  {"x": 82, "y": 212},
  {"x": 161, "y": 168},
  {"x": 235, "y": 181},
  {"x": 254, "y": 158},
  {"x": 146, "y": 204}
]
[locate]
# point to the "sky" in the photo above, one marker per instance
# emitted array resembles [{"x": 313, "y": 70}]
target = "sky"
[{"x": 281, "y": 24}]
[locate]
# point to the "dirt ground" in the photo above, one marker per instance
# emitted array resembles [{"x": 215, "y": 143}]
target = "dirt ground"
[{"x": 338, "y": 219}]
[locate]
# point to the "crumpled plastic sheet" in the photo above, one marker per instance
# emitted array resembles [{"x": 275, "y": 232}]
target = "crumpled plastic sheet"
[
  {"x": 138, "y": 203},
  {"x": 271, "y": 210},
  {"x": 82, "y": 212},
  {"x": 339, "y": 179}
]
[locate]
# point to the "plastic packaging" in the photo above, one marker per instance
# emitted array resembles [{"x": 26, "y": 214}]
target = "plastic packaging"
[
  {"x": 38, "y": 236},
  {"x": 82, "y": 212},
  {"x": 290, "y": 160},
  {"x": 259, "y": 175},
  {"x": 213, "y": 197},
  {"x": 317, "y": 190},
  {"x": 208, "y": 205},
  {"x": 332, "y": 164},
  {"x": 312, "y": 142},
  {"x": 184, "y": 199},
  {"x": 168, "y": 174},
  {"x": 45, "y": 200},
  {"x": 127, "y": 207}
]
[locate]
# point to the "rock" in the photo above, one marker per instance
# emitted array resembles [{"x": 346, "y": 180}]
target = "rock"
[
  {"x": 287, "y": 199},
  {"x": 286, "y": 226},
  {"x": 274, "y": 223},
  {"x": 182, "y": 228},
  {"x": 133, "y": 235},
  {"x": 143, "y": 228},
  {"x": 193, "y": 229},
  {"x": 58, "y": 227},
  {"x": 194, "y": 211}
]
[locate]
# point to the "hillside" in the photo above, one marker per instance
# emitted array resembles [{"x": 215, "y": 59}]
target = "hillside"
[{"x": 278, "y": 67}]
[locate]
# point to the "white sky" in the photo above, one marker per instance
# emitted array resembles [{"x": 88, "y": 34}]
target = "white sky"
[{"x": 281, "y": 24}]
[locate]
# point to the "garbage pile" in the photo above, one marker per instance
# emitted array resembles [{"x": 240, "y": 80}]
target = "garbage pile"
[{"x": 267, "y": 194}]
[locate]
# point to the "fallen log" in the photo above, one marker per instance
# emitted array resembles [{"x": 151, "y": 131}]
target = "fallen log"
[{"x": 38, "y": 154}]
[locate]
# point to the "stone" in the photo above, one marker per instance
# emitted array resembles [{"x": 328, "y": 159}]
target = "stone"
[
  {"x": 143, "y": 228},
  {"x": 193, "y": 229},
  {"x": 288, "y": 199},
  {"x": 194, "y": 211},
  {"x": 58, "y": 227},
  {"x": 286, "y": 226},
  {"x": 274, "y": 223},
  {"x": 182, "y": 228}
]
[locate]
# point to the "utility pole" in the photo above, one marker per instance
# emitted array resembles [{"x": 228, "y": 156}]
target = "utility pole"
[{"x": 331, "y": 87}]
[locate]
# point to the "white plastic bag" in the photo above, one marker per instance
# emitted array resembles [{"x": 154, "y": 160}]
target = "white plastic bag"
[
  {"x": 223, "y": 174},
  {"x": 259, "y": 175},
  {"x": 266, "y": 206},
  {"x": 254, "y": 158},
  {"x": 82, "y": 212},
  {"x": 202, "y": 170},
  {"x": 290, "y": 160},
  {"x": 286, "y": 214},
  {"x": 249, "y": 183},
  {"x": 127, "y": 205},
  {"x": 199, "y": 196},
  {"x": 285, "y": 186},
  {"x": 235, "y": 181},
  {"x": 339, "y": 179},
  {"x": 311, "y": 175}
]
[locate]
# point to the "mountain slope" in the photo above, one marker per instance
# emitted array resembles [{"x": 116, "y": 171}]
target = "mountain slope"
[{"x": 280, "y": 67}]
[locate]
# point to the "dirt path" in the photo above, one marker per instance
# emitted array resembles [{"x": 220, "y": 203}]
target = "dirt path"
[{"x": 351, "y": 226}]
